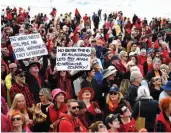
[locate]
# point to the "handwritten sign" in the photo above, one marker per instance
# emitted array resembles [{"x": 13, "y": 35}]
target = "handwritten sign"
[
  {"x": 73, "y": 58},
  {"x": 28, "y": 46}
]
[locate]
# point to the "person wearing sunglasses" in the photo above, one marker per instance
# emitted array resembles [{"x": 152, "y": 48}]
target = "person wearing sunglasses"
[
  {"x": 21, "y": 87},
  {"x": 42, "y": 125},
  {"x": 70, "y": 122},
  {"x": 98, "y": 126},
  {"x": 113, "y": 99},
  {"x": 127, "y": 124},
  {"x": 155, "y": 87},
  {"x": 17, "y": 121}
]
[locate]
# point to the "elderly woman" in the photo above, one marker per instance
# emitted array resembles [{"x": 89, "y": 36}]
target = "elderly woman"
[
  {"x": 45, "y": 98},
  {"x": 165, "y": 71},
  {"x": 146, "y": 107},
  {"x": 93, "y": 112},
  {"x": 162, "y": 121},
  {"x": 18, "y": 121},
  {"x": 113, "y": 100}
]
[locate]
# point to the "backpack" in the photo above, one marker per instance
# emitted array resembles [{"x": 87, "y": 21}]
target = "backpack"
[{"x": 56, "y": 124}]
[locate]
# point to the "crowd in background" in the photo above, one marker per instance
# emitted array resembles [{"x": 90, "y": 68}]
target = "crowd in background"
[{"x": 129, "y": 80}]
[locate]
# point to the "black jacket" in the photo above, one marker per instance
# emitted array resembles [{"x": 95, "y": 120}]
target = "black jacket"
[
  {"x": 151, "y": 74},
  {"x": 148, "y": 109},
  {"x": 32, "y": 81},
  {"x": 132, "y": 94}
]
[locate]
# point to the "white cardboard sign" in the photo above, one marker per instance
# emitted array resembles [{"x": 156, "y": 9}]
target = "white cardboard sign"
[
  {"x": 28, "y": 46},
  {"x": 73, "y": 58}
]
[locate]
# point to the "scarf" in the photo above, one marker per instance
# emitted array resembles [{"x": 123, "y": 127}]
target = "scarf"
[
  {"x": 38, "y": 80},
  {"x": 67, "y": 87},
  {"x": 112, "y": 107}
]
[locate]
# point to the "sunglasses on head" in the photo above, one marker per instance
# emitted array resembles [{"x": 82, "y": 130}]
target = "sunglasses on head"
[
  {"x": 76, "y": 107},
  {"x": 113, "y": 93},
  {"x": 17, "y": 118}
]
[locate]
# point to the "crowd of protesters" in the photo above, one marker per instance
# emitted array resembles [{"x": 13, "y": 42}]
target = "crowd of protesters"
[{"x": 129, "y": 79}]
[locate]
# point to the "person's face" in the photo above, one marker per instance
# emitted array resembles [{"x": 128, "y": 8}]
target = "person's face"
[
  {"x": 63, "y": 73},
  {"x": 163, "y": 70},
  {"x": 74, "y": 109},
  {"x": 111, "y": 77},
  {"x": 149, "y": 60},
  {"x": 110, "y": 54},
  {"x": 133, "y": 59},
  {"x": 157, "y": 80},
  {"x": 21, "y": 103},
  {"x": 139, "y": 78},
  {"x": 125, "y": 57},
  {"x": 156, "y": 66},
  {"x": 115, "y": 62},
  {"x": 92, "y": 73},
  {"x": 134, "y": 47},
  {"x": 113, "y": 96},
  {"x": 143, "y": 53},
  {"x": 115, "y": 124},
  {"x": 34, "y": 68},
  {"x": 126, "y": 111},
  {"x": 42, "y": 97},
  {"x": 60, "y": 98},
  {"x": 86, "y": 94},
  {"x": 130, "y": 65},
  {"x": 12, "y": 70},
  {"x": 102, "y": 128},
  {"x": 20, "y": 78},
  {"x": 16, "y": 121}
]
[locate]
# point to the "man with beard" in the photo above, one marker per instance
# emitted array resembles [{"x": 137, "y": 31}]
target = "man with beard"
[{"x": 70, "y": 122}]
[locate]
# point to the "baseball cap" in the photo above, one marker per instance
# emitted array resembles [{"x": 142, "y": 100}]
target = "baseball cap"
[
  {"x": 114, "y": 89},
  {"x": 110, "y": 118},
  {"x": 18, "y": 71}
]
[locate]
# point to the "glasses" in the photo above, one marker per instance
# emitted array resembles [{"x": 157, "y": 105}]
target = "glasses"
[
  {"x": 131, "y": 65},
  {"x": 40, "y": 95},
  {"x": 21, "y": 76},
  {"x": 102, "y": 126},
  {"x": 113, "y": 93},
  {"x": 156, "y": 79},
  {"x": 13, "y": 68},
  {"x": 76, "y": 107},
  {"x": 17, "y": 118}
]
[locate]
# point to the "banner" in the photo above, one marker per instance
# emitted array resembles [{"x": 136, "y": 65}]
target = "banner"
[
  {"x": 73, "y": 58},
  {"x": 28, "y": 46}
]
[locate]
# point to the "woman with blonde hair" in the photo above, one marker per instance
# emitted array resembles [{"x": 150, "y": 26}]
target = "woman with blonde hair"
[
  {"x": 113, "y": 99},
  {"x": 19, "y": 103},
  {"x": 42, "y": 124},
  {"x": 125, "y": 83}
]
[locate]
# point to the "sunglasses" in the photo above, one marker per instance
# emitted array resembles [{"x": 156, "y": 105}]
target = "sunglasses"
[
  {"x": 156, "y": 79},
  {"x": 113, "y": 93},
  {"x": 21, "y": 76},
  {"x": 40, "y": 95},
  {"x": 131, "y": 65},
  {"x": 101, "y": 126},
  {"x": 76, "y": 107},
  {"x": 17, "y": 118}
]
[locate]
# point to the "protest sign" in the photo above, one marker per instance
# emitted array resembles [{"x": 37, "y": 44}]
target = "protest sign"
[
  {"x": 28, "y": 46},
  {"x": 73, "y": 58}
]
